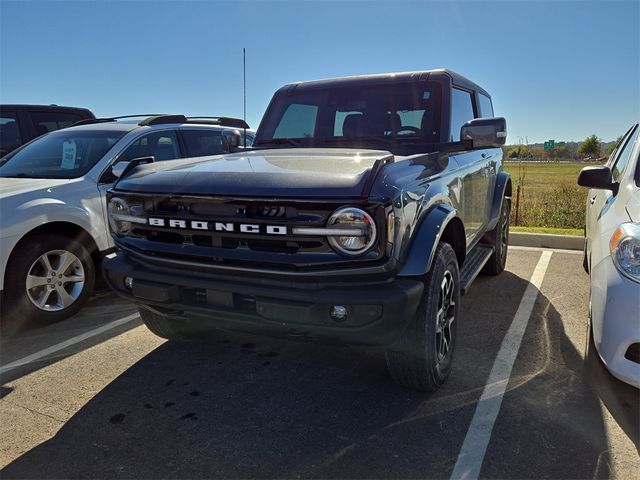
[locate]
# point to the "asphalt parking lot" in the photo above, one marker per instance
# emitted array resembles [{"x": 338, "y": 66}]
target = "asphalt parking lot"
[{"x": 123, "y": 403}]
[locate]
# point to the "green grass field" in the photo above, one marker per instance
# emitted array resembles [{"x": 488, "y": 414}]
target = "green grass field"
[{"x": 550, "y": 197}]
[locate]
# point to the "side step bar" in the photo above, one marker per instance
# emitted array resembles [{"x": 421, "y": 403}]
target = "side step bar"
[{"x": 472, "y": 265}]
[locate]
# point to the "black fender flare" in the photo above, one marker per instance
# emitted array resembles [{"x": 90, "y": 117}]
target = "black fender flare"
[
  {"x": 502, "y": 189},
  {"x": 427, "y": 236}
]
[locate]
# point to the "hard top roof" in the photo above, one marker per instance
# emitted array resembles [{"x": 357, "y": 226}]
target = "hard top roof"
[
  {"x": 457, "y": 79},
  {"x": 44, "y": 107}
]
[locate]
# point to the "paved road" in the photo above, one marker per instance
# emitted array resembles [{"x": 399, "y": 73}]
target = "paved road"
[{"x": 126, "y": 404}]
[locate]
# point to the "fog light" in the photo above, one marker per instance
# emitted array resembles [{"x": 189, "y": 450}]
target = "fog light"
[
  {"x": 128, "y": 282},
  {"x": 338, "y": 313}
]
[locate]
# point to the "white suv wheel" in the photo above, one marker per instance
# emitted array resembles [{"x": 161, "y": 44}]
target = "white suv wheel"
[{"x": 55, "y": 280}]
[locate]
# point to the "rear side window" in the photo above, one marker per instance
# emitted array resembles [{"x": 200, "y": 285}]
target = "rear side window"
[
  {"x": 298, "y": 121},
  {"x": 160, "y": 145},
  {"x": 461, "y": 112},
  {"x": 486, "y": 108},
  {"x": 202, "y": 142},
  {"x": 10, "y": 137},
  {"x": 341, "y": 117},
  {"x": 45, "y": 122},
  {"x": 623, "y": 157}
]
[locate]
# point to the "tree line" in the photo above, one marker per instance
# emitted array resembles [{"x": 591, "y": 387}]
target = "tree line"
[{"x": 591, "y": 148}]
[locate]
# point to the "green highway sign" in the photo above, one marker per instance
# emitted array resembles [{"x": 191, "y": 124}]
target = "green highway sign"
[{"x": 551, "y": 144}]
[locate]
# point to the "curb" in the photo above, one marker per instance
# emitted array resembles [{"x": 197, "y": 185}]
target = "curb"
[{"x": 546, "y": 240}]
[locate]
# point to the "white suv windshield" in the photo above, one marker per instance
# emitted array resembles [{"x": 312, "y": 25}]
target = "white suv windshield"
[{"x": 62, "y": 154}]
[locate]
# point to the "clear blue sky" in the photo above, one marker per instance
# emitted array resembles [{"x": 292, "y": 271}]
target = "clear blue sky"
[{"x": 560, "y": 70}]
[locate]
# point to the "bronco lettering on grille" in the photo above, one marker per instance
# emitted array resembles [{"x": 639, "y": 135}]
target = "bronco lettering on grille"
[{"x": 219, "y": 226}]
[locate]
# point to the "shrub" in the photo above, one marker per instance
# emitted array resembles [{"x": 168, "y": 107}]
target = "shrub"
[{"x": 559, "y": 206}]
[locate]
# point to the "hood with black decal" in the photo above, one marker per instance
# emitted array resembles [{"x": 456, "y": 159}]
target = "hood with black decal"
[{"x": 294, "y": 172}]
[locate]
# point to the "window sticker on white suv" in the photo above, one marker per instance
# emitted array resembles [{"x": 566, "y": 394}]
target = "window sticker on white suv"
[{"x": 68, "y": 155}]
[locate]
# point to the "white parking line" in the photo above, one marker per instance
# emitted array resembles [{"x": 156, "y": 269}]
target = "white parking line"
[
  {"x": 475, "y": 443},
  {"x": 540, "y": 249},
  {"x": 67, "y": 343}
]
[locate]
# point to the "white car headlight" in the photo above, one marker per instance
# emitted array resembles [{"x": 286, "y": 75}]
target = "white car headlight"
[
  {"x": 355, "y": 220},
  {"x": 625, "y": 250},
  {"x": 120, "y": 216}
]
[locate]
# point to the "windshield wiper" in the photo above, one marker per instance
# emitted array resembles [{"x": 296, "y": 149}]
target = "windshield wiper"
[
  {"x": 279, "y": 141},
  {"x": 319, "y": 141},
  {"x": 356, "y": 140}
]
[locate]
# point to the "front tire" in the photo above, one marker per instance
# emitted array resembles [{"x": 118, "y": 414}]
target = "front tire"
[
  {"x": 163, "y": 327},
  {"x": 585, "y": 260},
  {"x": 49, "y": 278},
  {"x": 421, "y": 358}
]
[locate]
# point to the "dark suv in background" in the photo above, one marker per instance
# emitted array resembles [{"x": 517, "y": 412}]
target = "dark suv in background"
[{"x": 22, "y": 123}]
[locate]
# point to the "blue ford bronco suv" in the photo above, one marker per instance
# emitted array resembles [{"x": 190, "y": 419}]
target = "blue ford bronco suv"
[{"x": 364, "y": 209}]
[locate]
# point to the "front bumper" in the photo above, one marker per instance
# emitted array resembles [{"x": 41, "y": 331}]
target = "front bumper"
[
  {"x": 615, "y": 319},
  {"x": 377, "y": 312},
  {"x": 7, "y": 244}
]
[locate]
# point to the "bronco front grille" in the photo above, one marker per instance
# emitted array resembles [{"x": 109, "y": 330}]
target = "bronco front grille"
[
  {"x": 229, "y": 241},
  {"x": 194, "y": 221},
  {"x": 273, "y": 212}
]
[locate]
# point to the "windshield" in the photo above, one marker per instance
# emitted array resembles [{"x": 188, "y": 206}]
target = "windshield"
[
  {"x": 61, "y": 154},
  {"x": 369, "y": 115}
]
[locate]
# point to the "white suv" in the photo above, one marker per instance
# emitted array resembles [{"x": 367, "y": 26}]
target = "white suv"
[
  {"x": 53, "y": 225},
  {"x": 612, "y": 257}
]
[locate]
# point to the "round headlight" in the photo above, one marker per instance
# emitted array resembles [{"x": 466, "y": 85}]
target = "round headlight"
[
  {"x": 119, "y": 209},
  {"x": 355, "y": 221},
  {"x": 625, "y": 250}
]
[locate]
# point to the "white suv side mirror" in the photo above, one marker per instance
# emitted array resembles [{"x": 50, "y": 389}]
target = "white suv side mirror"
[{"x": 121, "y": 168}]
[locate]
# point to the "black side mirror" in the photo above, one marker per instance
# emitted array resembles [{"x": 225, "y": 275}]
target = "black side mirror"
[
  {"x": 120, "y": 169},
  {"x": 485, "y": 132},
  {"x": 231, "y": 140},
  {"x": 597, "y": 177}
]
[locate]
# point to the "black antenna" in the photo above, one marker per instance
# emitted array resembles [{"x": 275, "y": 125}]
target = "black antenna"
[{"x": 244, "y": 91}]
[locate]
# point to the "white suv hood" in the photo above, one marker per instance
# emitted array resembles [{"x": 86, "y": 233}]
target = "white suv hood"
[
  {"x": 633, "y": 206},
  {"x": 16, "y": 186}
]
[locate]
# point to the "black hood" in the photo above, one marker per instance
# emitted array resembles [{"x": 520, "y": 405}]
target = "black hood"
[{"x": 295, "y": 172}]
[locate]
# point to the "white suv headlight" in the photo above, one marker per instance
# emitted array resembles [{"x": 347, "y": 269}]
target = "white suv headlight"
[
  {"x": 353, "y": 219},
  {"x": 120, "y": 217},
  {"x": 625, "y": 250}
]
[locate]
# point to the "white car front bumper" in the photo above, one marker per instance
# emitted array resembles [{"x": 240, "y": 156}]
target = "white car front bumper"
[
  {"x": 7, "y": 245},
  {"x": 615, "y": 319}
]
